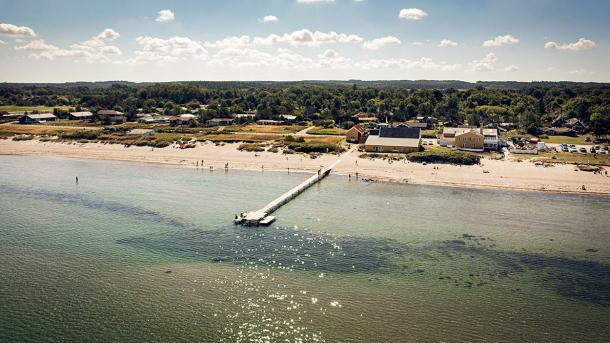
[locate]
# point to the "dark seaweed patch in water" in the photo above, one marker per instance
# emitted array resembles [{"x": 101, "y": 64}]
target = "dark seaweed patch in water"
[
  {"x": 305, "y": 250},
  {"x": 102, "y": 205},
  {"x": 584, "y": 280},
  {"x": 279, "y": 248}
]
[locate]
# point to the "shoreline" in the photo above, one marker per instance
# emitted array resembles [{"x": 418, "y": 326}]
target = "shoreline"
[{"x": 491, "y": 174}]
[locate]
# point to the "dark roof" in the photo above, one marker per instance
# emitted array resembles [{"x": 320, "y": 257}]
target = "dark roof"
[
  {"x": 416, "y": 124},
  {"x": 360, "y": 128},
  {"x": 399, "y": 132},
  {"x": 557, "y": 129},
  {"x": 108, "y": 112}
]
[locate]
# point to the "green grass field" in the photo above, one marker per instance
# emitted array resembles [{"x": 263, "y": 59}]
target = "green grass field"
[
  {"x": 253, "y": 128},
  {"x": 335, "y": 131},
  {"x": 11, "y": 108},
  {"x": 567, "y": 157},
  {"x": 568, "y": 140}
]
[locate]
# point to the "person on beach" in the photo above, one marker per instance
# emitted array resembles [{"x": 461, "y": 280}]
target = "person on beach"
[{"x": 77, "y": 180}]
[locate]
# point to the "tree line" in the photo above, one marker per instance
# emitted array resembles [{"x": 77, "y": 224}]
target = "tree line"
[{"x": 529, "y": 105}]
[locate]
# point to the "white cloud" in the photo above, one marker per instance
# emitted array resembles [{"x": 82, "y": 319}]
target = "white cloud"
[
  {"x": 485, "y": 64},
  {"x": 423, "y": 63},
  {"x": 580, "y": 72},
  {"x": 580, "y": 45},
  {"x": 108, "y": 35},
  {"x": 2, "y": 42},
  {"x": 313, "y": 1},
  {"x": 329, "y": 53},
  {"x": 165, "y": 16},
  {"x": 167, "y": 50},
  {"x": 232, "y": 41},
  {"x": 16, "y": 31},
  {"x": 447, "y": 43},
  {"x": 511, "y": 68},
  {"x": 94, "y": 50},
  {"x": 308, "y": 38},
  {"x": 375, "y": 44},
  {"x": 412, "y": 14},
  {"x": 417, "y": 43},
  {"x": 500, "y": 41},
  {"x": 269, "y": 19},
  {"x": 244, "y": 58}
]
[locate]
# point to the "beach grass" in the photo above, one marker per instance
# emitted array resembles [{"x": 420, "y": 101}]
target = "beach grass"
[
  {"x": 567, "y": 140},
  {"x": 232, "y": 138},
  {"x": 567, "y": 158},
  {"x": 429, "y": 133},
  {"x": 33, "y": 130},
  {"x": 336, "y": 131},
  {"x": 13, "y": 108},
  {"x": 265, "y": 128}
]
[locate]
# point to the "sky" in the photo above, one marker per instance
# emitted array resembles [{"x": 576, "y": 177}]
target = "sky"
[{"x": 151, "y": 40}]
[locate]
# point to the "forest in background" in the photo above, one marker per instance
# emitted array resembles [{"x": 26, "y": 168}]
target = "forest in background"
[{"x": 530, "y": 105}]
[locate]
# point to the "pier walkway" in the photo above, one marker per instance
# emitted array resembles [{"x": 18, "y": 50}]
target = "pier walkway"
[{"x": 263, "y": 217}]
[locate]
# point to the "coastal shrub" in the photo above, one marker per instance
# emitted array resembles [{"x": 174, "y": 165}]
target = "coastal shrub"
[
  {"x": 314, "y": 147},
  {"x": 79, "y": 135},
  {"x": 23, "y": 138},
  {"x": 453, "y": 157},
  {"x": 294, "y": 139},
  {"x": 251, "y": 147},
  {"x": 160, "y": 144},
  {"x": 588, "y": 168},
  {"x": 273, "y": 149}
]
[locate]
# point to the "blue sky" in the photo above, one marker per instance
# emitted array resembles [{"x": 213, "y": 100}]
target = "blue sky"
[{"x": 57, "y": 41}]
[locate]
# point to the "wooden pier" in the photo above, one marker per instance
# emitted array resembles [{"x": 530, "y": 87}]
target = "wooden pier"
[{"x": 262, "y": 216}]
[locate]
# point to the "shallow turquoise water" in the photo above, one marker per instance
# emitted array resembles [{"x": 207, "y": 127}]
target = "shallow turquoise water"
[{"x": 139, "y": 252}]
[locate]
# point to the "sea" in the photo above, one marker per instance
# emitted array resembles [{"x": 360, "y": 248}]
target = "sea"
[{"x": 138, "y": 252}]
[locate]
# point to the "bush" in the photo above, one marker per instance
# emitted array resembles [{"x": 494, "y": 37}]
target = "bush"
[
  {"x": 453, "y": 157},
  {"x": 79, "y": 135},
  {"x": 161, "y": 144},
  {"x": 347, "y": 125},
  {"x": 294, "y": 139},
  {"x": 314, "y": 147},
  {"x": 23, "y": 138}
]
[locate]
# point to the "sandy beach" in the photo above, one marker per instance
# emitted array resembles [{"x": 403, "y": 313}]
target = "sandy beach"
[{"x": 500, "y": 174}]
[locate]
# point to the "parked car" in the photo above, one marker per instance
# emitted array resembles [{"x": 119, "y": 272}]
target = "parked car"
[
  {"x": 583, "y": 150},
  {"x": 587, "y": 139},
  {"x": 573, "y": 150},
  {"x": 564, "y": 148},
  {"x": 593, "y": 150}
]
